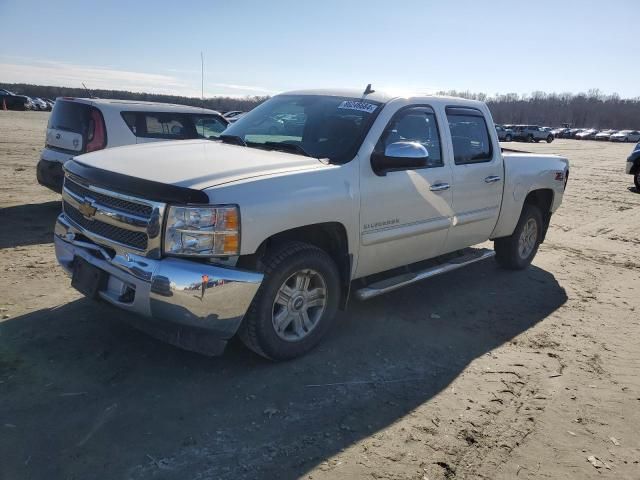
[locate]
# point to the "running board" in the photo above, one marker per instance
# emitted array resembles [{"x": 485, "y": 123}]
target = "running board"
[{"x": 393, "y": 283}]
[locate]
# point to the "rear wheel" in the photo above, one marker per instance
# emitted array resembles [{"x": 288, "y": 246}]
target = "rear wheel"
[
  {"x": 508, "y": 138},
  {"x": 517, "y": 251},
  {"x": 550, "y": 139},
  {"x": 295, "y": 304},
  {"x": 529, "y": 138}
]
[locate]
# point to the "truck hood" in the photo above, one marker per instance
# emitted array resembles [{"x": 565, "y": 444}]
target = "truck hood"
[{"x": 196, "y": 164}]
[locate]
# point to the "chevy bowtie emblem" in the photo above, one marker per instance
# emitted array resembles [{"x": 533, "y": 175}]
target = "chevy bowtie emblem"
[{"x": 86, "y": 209}]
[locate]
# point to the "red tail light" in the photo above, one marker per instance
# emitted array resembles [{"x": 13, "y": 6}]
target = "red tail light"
[{"x": 97, "y": 136}]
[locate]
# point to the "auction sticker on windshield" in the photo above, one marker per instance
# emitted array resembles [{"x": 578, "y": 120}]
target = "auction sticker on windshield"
[{"x": 360, "y": 106}]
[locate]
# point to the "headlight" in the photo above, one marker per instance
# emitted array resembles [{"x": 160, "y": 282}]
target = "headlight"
[{"x": 212, "y": 231}]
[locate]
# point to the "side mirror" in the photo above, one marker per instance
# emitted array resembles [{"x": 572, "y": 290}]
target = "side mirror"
[{"x": 400, "y": 156}]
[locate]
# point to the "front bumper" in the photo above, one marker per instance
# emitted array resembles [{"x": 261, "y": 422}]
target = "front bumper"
[
  {"x": 168, "y": 292},
  {"x": 50, "y": 174}
]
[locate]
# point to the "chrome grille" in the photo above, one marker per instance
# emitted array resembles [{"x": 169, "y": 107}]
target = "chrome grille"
[
  {"x": 117, "y": 203},
  {"x": 136, "y": 240},
  {"x": 112, "y": 219}
]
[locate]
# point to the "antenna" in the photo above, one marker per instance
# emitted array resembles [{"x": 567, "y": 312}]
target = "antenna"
[
  {"x": 368, "y": 90},
  {"x": 202, "y": 78},
  {"x": 88, "y": 91}
]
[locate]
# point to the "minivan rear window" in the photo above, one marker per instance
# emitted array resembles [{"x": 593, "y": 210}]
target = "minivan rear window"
[{"x": 70, "y": 116}]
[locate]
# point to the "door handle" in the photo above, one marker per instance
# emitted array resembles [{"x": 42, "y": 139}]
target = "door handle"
[
  {"x": 439, "y": 187},
  {"x": 492, "y": 179}
]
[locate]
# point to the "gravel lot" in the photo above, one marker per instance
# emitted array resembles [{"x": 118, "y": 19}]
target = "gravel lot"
[{"x": 481, "y": 373}]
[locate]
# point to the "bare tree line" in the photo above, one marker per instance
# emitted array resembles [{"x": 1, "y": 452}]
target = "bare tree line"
[
  {"x": 592, "y": 109},
  {"x": 222, "y": 104}
]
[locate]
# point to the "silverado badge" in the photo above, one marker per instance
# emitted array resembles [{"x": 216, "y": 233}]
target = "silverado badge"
[{"x": 86, "y": 209}]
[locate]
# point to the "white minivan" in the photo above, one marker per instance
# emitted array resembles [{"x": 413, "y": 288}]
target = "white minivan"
[{"x": 82, "y": 125}]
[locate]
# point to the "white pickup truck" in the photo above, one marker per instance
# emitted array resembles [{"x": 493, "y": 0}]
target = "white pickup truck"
[{"x": 311, "y": 197}]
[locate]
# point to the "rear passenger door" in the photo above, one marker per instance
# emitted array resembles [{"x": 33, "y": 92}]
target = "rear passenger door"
[{"x": 477, "y": 178}]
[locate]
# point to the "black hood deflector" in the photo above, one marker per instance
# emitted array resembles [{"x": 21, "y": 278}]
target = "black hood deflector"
[{"x": 137, "y": 187}]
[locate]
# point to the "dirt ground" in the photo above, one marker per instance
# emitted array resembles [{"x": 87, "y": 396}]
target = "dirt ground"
[{"x": 480, "y": 373}]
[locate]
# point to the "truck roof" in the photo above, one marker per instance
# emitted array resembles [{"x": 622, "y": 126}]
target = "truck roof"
[
  {"x": 136, "y": 104},
  {"x": 384, "y": 96}
]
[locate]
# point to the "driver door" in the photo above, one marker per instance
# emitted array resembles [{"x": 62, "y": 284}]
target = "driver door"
[{"x": 405, "y": 214}]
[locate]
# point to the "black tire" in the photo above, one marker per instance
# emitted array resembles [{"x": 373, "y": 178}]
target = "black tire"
[
  {"x": 626, "y": 140},
  {"x": 529, "y": 138},
  {"x": 507, "y": 248},
  {"x": 636, "y": 180},
  {"x": 258, "y": 332},
  {"x": 550, "y": 139},
  {"x": 508, "y": 138}
]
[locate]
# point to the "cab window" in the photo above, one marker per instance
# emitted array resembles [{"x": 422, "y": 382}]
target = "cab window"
[
  {"x": 415, "y": 124},
  {"x": 469, "y": 135}
]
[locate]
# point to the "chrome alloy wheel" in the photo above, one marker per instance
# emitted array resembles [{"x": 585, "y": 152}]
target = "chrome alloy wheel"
[
  {"x": 299, "y": 305},
  {"x": 528, "y": 238}
]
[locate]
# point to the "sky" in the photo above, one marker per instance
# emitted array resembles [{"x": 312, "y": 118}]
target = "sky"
[{"x": 254, "y": 47}]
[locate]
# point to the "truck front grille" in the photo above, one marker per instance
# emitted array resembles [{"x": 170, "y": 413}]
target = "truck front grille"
[
  {"x": 113, "y": 219},
  {"x": 117, "y": 203},
  {"x": 135, "y": 240}
]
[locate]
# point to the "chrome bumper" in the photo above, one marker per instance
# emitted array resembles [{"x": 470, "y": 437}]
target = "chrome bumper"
[{"x": 168, "y": 289}]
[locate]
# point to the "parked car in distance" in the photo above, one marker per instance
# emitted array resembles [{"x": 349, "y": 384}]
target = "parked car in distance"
[
  {"x": 504, "y": 134},
  {"x": 265, "y": 235},
  {"x": 39, "y": 104},
  {"x": 12, "y": 101},
  {"x": 633, "y": 166},
  {"x": 588, "y": 134},
  {"x": 573, "y": 132},
  {"x": 561, "y": 132},
  {"x": 626, "y": 136},
  {"x": 605, "y": 135},
  {"x": 532, "y": 133},
  {"x": 233, "y": 116},
  {"x": 81, "y": 125}
]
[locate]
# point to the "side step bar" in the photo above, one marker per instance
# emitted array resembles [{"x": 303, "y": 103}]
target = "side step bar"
[{"x": 390, "y": 284}]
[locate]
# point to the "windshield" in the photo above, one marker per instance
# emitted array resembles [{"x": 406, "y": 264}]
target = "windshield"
[{"x": 315, "y": 125}]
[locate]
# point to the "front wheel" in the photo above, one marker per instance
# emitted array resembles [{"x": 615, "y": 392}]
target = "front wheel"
[
  {"x": 517, "y": 251},
  {"x": 296, "y": 303},
  {"x": 549, "y": 139},
  {"x": 636, "y": 180},
  {"x": 508, "y": 138},
  {"x": 529, "y": 138}
]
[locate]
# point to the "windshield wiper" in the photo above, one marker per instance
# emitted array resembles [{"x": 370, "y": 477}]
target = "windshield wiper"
[
  {"x": 287, "y": 147},
  {"x": 233, "y": 140}
]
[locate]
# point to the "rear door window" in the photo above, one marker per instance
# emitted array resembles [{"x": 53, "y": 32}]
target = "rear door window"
[
  {"x": 208, "y": 126},
  {"x": 469, "y": 135},
  {"x": 173, "y": 126}
]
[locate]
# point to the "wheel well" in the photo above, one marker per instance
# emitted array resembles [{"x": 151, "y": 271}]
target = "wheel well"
[
  {"x": 330, "y": 237},
  {"x": 543, "y": 199}
]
